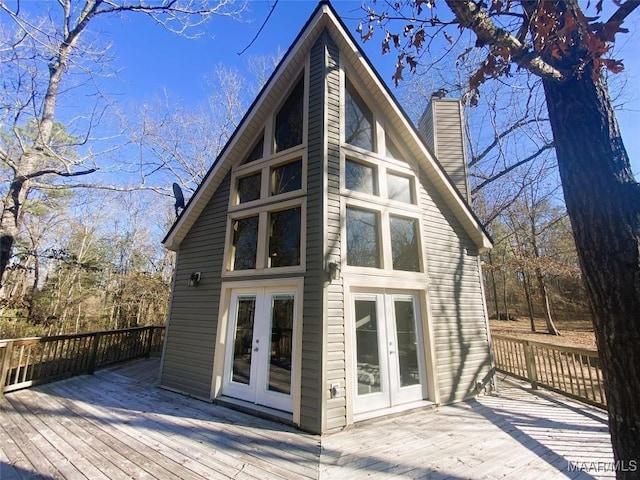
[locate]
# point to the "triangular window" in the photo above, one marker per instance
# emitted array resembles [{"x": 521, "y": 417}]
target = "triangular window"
[
  {"x": 358, "y": 120},
  {"x": 257, "y": 153},
  {"x": 289, "y": 120},
  {"x": 392, "y": 150}
]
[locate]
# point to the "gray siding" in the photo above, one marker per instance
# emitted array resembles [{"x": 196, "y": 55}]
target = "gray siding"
[
  {"x": 442, "y": 128},
  {"x": 323, "y": 331},
  {"x": 193, "y": 315},
  {"x": 313, "y": 308},
  {"x": 335, "y": 370},
  {"x": 455, "y": 299}
]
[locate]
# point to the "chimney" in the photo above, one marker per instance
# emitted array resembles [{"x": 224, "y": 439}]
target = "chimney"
[{"x": 442, "y": 129}]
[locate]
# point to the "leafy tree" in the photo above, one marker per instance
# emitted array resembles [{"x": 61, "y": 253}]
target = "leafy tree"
[
  {"x": 556, "y": 41},
  {"x": 37, "y": 59}
]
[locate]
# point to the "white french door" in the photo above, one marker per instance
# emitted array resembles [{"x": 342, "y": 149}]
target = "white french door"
[
  {"x": 388, "y": 356},
  {"x": 259, "y": 357}
]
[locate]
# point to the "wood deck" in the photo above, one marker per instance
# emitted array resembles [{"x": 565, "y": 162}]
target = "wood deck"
[{"x": 115, "y": 424}]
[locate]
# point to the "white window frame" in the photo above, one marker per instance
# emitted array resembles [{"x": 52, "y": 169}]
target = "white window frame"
[
  {"x": 268, "y": 203},
  {"x": 264, "y": 166},
  {"x": 262, "y": 254},
  {"x": 384, "y": 207}
]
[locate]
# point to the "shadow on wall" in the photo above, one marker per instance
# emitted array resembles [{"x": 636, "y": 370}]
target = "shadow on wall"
[{"x": 460, "y": 343}]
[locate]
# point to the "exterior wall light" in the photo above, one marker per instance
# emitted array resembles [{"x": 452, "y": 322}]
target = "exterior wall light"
[
  {"x": 194, "y": 279},
  {"x": 334, "y": 271}
]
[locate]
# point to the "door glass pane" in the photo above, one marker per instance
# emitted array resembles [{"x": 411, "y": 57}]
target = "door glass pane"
[
  {"x": 249, "y": 188},
  {"x": 245, "y": 241},
  {"x": 286, "y": 178},
  {"x": 362, "y": 238},
  {"x": 289, "y": 120},
  {"x": 407, "y": 343},
  {"x": 243, "y": 341},
  {"x": 404, "y": 244},
  {"x": 281, "y": 343},
  {"x": 367, "y": 347},
  {"x": 284, "y": 241},
  {"x": 358, "y": 120},
  {"x": 399, "y": 188},
  {"x": 359, "y": 177}
]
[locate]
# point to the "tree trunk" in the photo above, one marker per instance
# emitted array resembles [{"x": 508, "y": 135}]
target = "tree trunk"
[
  {"x": 603, "y": 202},
  {"x": 12, "y": 207},
  {"x": 527, "y": 293},
  {"x": 494, "y": 287},
  {"x": 544, "y": 293},
  {"x": 505, "y": 294}
]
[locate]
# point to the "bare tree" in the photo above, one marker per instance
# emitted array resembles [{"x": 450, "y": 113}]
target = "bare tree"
[
  {"x": 557, "y": 42},
  {"x": 36, "y": 59},
  {"x": 179, "y": 144}
]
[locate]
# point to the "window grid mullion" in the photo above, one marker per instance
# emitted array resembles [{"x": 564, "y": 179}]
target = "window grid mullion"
[
  {"x": 386, "y": 262},
  {"x": 263, "y": 240}
]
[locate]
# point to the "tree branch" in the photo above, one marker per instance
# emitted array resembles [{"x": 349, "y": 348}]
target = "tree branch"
[
  {"x": 52, "y": 171},
  {"x": 471, "y": 15},
  {"x": 476, "y": 158},
  {"x": 624, "y": 11},
  {"x": 113, "y": 188},
  {"x": 513, "y": 167}
]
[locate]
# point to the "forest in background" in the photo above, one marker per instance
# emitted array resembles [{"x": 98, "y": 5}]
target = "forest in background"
[
  {"x": 91, "y": 259},
  {"x": 88, "y": 255}
]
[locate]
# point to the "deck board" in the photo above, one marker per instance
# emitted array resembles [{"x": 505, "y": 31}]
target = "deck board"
[{"x": 116, "y": 424}]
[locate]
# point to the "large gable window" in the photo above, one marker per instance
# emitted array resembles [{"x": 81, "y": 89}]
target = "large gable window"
[
  {"x": 268, "y": 236},
  {"x": 257, "y": 153},
  {"x": 284, "y": 239},
  {"x": 404, "y": 243},
  {"x": 363, "y": 238},
  {"x": 249, "y": 188},
  {"x": 245, "y": 243},
  {"x": 360, "y": 177},
  {"x": 290, "y": 120},
  {"x": 286, "y": 178},
  {"x": 400, "y": 188},
  {"x": 267, "y": 202},
  {"x": 382, "y": 215},
  {"x": 358, "y": 120}
]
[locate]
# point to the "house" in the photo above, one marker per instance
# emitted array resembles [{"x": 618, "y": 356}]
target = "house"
[{"x": 328, "y": 266}]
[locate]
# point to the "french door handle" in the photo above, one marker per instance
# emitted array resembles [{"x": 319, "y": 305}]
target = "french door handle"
[{"x": 255, "y": 349}]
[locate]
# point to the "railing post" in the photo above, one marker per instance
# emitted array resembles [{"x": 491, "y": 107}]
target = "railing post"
[
  {"x": 93, "y": 354},
  {"x": 531, "y": 365},
  {"x": 5, "y": 366},
  {"x": 149, "y": 342}
]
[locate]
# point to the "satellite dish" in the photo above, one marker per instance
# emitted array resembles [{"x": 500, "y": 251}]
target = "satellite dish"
[{"x": 177, "y": 192}]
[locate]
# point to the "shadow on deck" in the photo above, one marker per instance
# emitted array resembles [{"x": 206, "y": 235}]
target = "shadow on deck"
[{"x": 115, "y": 424}]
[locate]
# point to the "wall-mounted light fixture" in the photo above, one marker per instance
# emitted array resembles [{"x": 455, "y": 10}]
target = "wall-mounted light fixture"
[
  {"x": 334, "y": 271},
  {"x": 194, "y": 279}
]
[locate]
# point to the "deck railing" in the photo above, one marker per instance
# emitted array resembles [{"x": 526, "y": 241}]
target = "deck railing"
[
  {"x": 30, "y": 361},
  {"x": 574, "y": 372}
]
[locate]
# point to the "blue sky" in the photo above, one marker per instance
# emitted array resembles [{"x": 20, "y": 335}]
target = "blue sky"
[{"x": 152, "y": 61}]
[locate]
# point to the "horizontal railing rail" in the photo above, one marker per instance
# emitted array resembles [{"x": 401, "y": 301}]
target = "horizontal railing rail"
[
  {"x": 574, "y": 372},
  {"x": 30, "y": 361}
]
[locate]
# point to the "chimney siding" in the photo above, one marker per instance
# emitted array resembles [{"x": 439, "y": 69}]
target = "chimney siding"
[{"x": 442, "y": 129}]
